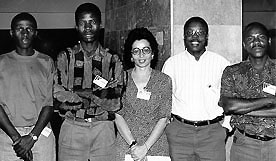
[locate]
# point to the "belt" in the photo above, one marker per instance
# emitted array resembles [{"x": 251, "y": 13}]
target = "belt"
[
  {"x": 198, "y": 123},
  {"x": 262, "y": 138}
]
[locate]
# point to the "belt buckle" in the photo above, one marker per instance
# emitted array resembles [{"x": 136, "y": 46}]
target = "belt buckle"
[
  {"x": 261, "y": 138},
  {"x": 88, "y": 120},
  {"x": 195, "y": 123}
]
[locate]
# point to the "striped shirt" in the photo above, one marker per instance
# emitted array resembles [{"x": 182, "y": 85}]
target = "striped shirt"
[{"x": 196, "y": 84}]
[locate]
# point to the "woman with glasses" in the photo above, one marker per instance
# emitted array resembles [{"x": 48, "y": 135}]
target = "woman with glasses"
[{"x": 146, "y": 103}]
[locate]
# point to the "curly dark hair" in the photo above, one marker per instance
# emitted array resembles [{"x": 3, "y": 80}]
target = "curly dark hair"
[
  {"x": 139, "y": 34},
  {"x": 196, "y": 19},
  {"x": 87, "y": 8},
  {"x": 254, "y": 25},
  {"x": 23, "y": 16}
]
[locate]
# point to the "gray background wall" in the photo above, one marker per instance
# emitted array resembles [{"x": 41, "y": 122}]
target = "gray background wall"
[
  {"x": 50, "y": 14},
  {"x": 124, "y": 15},
  {"x": 225, "y": 25}
]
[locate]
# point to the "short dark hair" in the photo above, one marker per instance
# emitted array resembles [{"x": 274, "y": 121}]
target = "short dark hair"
[
  {"x": 256, "y": 25},
  {"x": 23, "y": 16},
  {"x": 88, "y": 8},
  {"x": 139, "y": 34},
  {"x": 196, "y": 19}
]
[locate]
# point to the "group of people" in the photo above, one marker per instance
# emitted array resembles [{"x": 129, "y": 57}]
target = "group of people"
[{"x": 183, "y": 113}]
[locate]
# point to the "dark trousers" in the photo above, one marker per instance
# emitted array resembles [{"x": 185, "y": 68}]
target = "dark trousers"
[{"x": 190, "y": 143}]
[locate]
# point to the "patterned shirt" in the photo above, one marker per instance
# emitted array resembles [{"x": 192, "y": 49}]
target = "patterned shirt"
[
  {"x": 142, "y": 115},
  {"x": 243, "y": 81},
  {"x": 77, "y": 69}
]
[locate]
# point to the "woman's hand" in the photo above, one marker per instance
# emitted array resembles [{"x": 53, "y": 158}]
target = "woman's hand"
[{"x": 138, "y": 152}]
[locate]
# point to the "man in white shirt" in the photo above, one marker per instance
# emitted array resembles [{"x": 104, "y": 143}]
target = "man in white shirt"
[{"x": 195, "y": 130}]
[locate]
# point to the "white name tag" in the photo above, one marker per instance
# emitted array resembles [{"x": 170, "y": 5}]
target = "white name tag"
[
  {"x": 46, "y": 131},
  {"x": 149, "y": 158},
  {"x": 268, "y": 88},
  {"x": 143, "y": 94},
  {"x": 100, "y": 81}
]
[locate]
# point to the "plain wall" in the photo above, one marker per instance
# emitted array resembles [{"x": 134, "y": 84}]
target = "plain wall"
[
  {"x": 50, "y": 14},
  {"x": 263, "y": 11},
  {"x": 225, "y": 25}
]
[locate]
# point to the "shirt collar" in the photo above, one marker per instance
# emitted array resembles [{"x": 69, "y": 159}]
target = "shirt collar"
[
  {"x": 99, "y": 51},
  {"x": 269, "y": 62},
  {"x": 190, "y": 56}
]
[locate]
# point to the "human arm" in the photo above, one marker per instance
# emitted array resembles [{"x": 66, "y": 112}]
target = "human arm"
[
  {"x": 266, "y": 112},
  {"x": 243, "y": 106},
  {"x": 123, "y": 129},
  {"x": 9, "y": 129},
  {"x": 165, "y": 105},
  {"x": 45, "y": 110},
  {"x": 27, "y": 142},
  {"x": 139, "y": 151},
  {"x": 7, "y": 126},
  {"x": 231, "y": 100}
]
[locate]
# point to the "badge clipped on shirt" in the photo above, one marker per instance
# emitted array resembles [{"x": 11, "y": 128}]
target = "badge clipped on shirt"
[
  {"x": 143, "y": 94},
  {"x": 100, "y": 81},
  {"x": 269, "y": 88}
]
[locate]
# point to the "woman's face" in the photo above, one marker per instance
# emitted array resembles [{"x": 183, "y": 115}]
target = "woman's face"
[{"x": 141, "y": 53}]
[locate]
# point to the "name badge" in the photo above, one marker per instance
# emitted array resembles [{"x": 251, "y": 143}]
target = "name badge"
[
  {"x": 100, "y": 81},
  {"x": 269, "y": 88},
  {"x": 46, "y": 131},
  {"x": 143, "y": 94}
]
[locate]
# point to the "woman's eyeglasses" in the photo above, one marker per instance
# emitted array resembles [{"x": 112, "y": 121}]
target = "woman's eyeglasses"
[{"x": 146, "y": 50}]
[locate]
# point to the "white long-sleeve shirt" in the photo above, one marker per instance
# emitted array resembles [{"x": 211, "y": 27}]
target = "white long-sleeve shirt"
[{"x": 196, "y": 85}]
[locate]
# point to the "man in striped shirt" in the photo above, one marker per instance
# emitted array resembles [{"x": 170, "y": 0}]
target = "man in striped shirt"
[{"x": 195, "y": 130}]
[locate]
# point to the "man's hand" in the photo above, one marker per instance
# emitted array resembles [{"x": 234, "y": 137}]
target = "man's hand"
[
  {"x": 23, "y": 146},
  {"x": 28, "y": 156},
  {"x": 85, "y": 93},
  {"x": 68, "y": 96},
  {"x": 70, "y": 106},
  {"x": 110, "y": 104}
]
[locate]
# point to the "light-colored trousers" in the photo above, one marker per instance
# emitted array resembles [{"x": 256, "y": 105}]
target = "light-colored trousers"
[
  {"x": 80, "y": 141},
  {"x": 44, "y": 148},
  {"x": 248, "y": 149}
]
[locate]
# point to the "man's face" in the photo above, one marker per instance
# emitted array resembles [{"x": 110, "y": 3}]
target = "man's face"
[
  {"x": 88, "y": 27},
  {"x": 24, "y": 33},
  {"x": 195, "y": 37},
  {"x": 256, "y": 42}
]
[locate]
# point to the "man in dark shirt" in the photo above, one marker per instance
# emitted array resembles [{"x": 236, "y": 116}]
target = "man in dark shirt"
[{"x": 248, "y": 94}]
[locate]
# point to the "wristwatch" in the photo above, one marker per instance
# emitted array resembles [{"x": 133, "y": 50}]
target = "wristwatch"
[{"x": 34, "y": 137}]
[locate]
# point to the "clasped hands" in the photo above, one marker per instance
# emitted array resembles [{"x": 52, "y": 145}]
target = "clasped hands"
[
  {"x": 22, "y": 147},
  {"x": 138, "y": 152}
]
